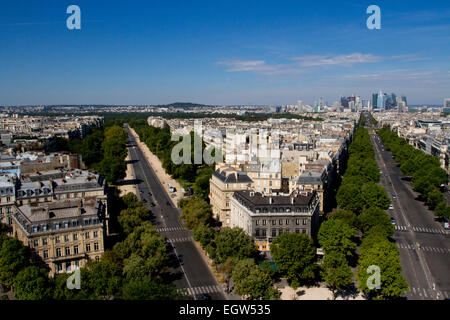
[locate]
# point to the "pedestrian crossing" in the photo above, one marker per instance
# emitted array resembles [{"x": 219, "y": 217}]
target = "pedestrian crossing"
[
  {"x": 169, "y": 229},
  {"x": 423, "y": 248},
  {"x": 427, "y": 293},
  {"x": 201, "y": 290},
  {"x": 175, "y": 240},
  {"x": 429, "y": 230},
  {"x": 421, "y": 229}
]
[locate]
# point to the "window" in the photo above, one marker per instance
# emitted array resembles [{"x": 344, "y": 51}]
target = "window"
[
  {"x": 297, "y": 221},
  {"x": 88, "y": 247},
  {"x": 263, "y": 231},
  {"x": 67, "y": 251},
  {"x": 56, "y": 226},
  {"x": 44, "y": 227},
  {"x": 59, "y": 267},
  {"x": 58, "y": 252},
  {"x": 287, "y": 221},
  {"x": 77, "y": 264},
  {"x": 75, "y": 237},
  {"x": 35, "y": 229},
  {"x": 35, "y": 243},
  {"x": 274, "y": 232},
  {"x": 264, "y": 222},
  {"x": 86, "y": 235},
  {"x": 274, "y": 222},
  {"x": 66, "y": 224},
  {"x": 68, "y": 266},
  {"x": 95, "y": 234},
  {"x": 74, "y": 223},
  {"x": 257, "y": 222},
  {"x": 96, "y": 246},
  {"x": 56, "y": 239},
  {"x": 305, "y": 221},
  {"x": 44, "y": 241},
  {"x": 280, "y": 222},
  {"x": 66, "y": 238},
  {"x": 303, "y": 230},
  {"x": 97, "y": 258},
  {"x": 45, "y": 254},
  {"x": 75, "y": 249},
  {"x": 257, "y": 232},
  {"x": 297, "y": 230},
  {"x": 280, "y": 231}
]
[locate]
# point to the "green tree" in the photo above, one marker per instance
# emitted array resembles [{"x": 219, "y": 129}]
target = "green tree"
[
  {"x": 100, "y": 280},
  {"x": 375, "y": 217},
  {"x": 149, "y": 289},
  {"x": 233, "y": 243},
  {"x": 442, "y": 210},
  {"x": 336, "y": 271},
  {"x": 14, "y": 257},
  {"x": 195, "y": 212},
  {"x": 295, "y": 256},
  {"x": 374, "y": 195},
  {"x": 336, "y": 235},
  {"x": 345, "y": 215},
  {"x": 349, "y": 197},
  {"x": 203, "y": 234},
  {"x": 434, "y": 197},
  {"x": 384, "y": 255},
  {"x": 32, "y": 283},
  {"x": 251, "y": 281}
]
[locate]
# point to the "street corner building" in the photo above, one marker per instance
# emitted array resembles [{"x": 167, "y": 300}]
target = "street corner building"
[{"x": 265, "y": 216}]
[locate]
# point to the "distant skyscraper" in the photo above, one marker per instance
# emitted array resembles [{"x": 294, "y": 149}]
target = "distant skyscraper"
[
  {"x": 299, "y": 106},
  {"x": 374, "y": 100},
  {"x": 447, "y": 103},
  {"x": 393, "y": 100},
  {"x": 404, "y": 100},
  {"x": 380, "y": 101}
]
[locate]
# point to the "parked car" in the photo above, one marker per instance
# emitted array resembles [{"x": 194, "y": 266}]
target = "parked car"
[
  {"x": 391, "y": 207},
  {"x": 394, "y": 196},
  {"x": 392, "y": 220}
]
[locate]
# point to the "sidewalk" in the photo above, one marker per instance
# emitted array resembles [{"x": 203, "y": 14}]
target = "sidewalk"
[
  {"x": 156, "y": 165},
  {"x": 126, "y": 188}
]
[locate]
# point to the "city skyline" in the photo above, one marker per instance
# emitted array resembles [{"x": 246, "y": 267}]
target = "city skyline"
[{"x": 233, "y": 53}]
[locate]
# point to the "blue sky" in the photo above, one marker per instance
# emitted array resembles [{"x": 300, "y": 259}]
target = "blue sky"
[{"x": 221, "y": 52}]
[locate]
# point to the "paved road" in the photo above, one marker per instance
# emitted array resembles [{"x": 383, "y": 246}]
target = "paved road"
[
  {"x": 192, "y": 273},
  {"x": 423, "y": 244}
]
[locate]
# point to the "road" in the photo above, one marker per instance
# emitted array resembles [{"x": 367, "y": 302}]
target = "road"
[
  {"x": 423, "y": 243},
  {"x": 191, "y": 273}
]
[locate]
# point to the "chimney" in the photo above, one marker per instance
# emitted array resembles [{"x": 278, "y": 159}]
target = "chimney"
[
  {"x": 292, "y": 200},
  {"x": 270, "y": 200}
]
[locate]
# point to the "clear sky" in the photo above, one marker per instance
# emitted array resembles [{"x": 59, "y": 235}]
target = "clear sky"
[{"x": 222, "y": 52}]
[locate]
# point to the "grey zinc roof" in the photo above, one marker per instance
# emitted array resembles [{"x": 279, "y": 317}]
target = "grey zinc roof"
[{"x": 236, "y": 177}]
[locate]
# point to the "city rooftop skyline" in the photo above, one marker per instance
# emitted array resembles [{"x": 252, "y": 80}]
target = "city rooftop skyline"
[{"x": 222, "y": 53}]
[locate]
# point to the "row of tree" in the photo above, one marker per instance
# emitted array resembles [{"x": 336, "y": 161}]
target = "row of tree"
[
  {"x": 135, "y": 268},
  {"x": 425, "y": 170},
  {"x": 103, "y": 150},
  {"x": 362, "y": 202},
  {"x": 159, "y": 142},
  {"x": 233, "y": 251}
]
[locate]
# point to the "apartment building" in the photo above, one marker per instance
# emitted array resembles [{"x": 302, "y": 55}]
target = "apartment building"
[
  {"x": 223, "y": 183},
  {"x": 65, "y": 235},
  {"x": 264, "y": 217}
]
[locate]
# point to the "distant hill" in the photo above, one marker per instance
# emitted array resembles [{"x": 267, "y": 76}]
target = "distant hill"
[{"x": 184, "y": 105}]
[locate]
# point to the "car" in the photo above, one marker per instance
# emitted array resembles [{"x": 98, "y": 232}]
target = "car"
[
  {"x": 392, "y": 220},
  {"x": 152, "y": 204},
  {"x": 144, "y": 200},
  {"x": 394, "y": 196},
  {"x": 391, "y": 207},
  {"x": 206, "y": 296}
]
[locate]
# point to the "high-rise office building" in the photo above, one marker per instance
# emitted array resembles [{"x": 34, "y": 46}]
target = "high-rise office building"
[
  {"x": 404, "y": 100},
  {"x": 447, "y": 103},
  {"x": 380, "y": 101},
  {"x": 374, "y": 100}
]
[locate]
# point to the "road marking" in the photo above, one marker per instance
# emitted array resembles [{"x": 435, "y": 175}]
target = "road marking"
[{"x": 425, "y": 293}]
